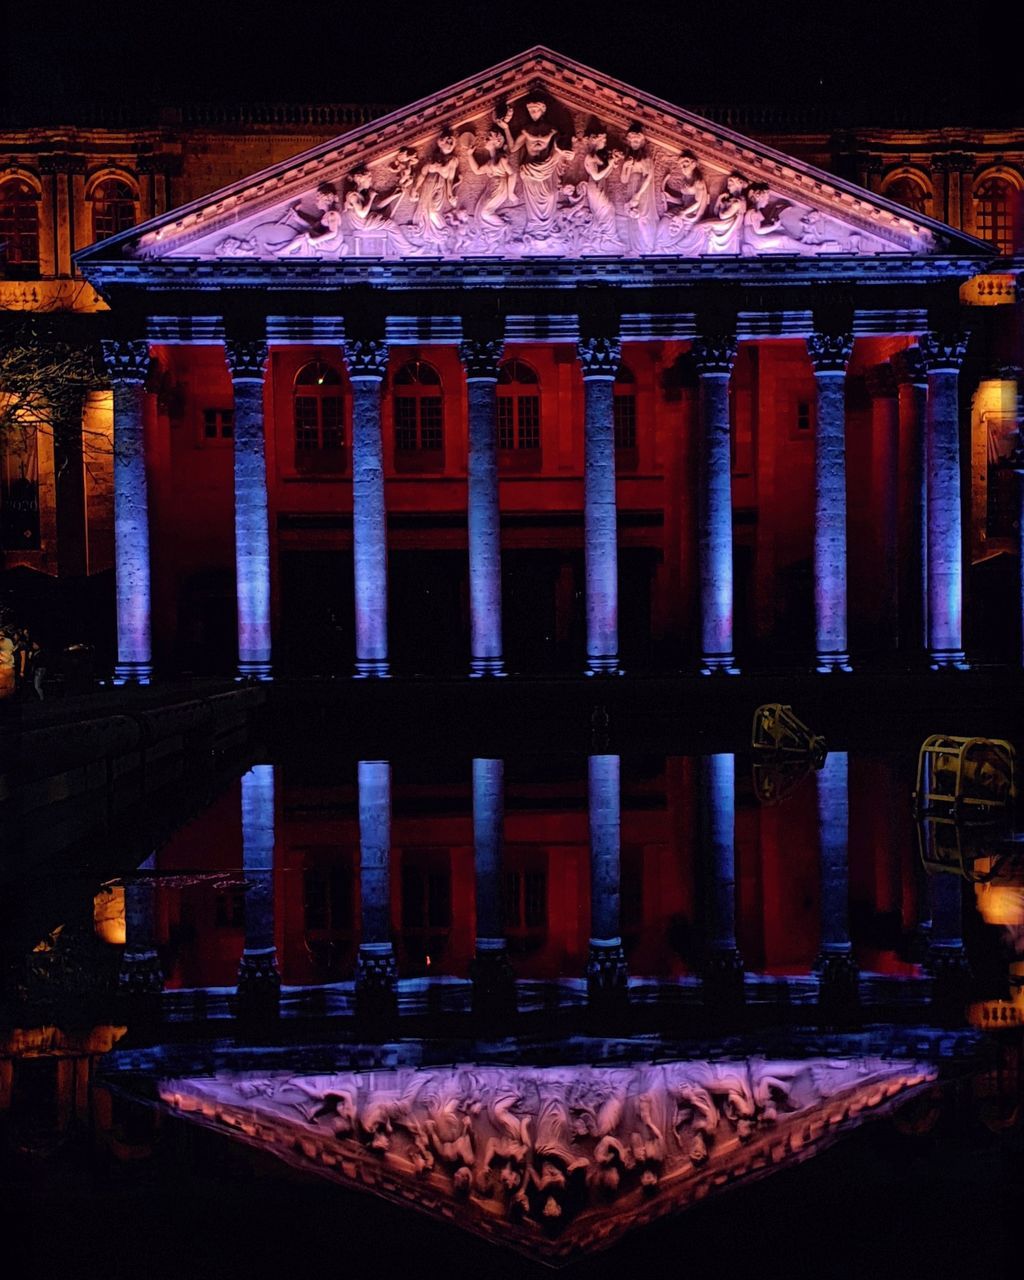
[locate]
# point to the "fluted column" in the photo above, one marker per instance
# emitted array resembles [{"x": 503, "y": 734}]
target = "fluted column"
[
  {"x": 127, "y": 367},
  {"x": 836, "y": 966},
  {"x": 829, "y": 354},
  {"x": 723, "y": 967},
  {"x": 913, "y": 408},
  {"x": 606, "y": 964},
  {"x": 247, "y": 362},
  {"x": 140, "y": 973},
  {"x": 943, "y": 354},
  {"x": 259, "y": 982},
  {"x": 375, "y": 965},
  {"x": 367, "y": 364},
  {"x": 714, "y": 358},
  {"x": 493, "y": 980},
  {"x": 480, "y": 360},
  {"x": 883, "y": 389},
  {"x": 600, "y": 358}
]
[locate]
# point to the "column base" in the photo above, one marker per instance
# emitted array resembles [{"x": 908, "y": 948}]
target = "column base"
[
  {"x": 838, "y": 979},
  {"x": 479, "y": 667},
  {"x": 376, "y": 981},
  {"x": 372, "y": 669},
  {"x": 259, "y": 983},
  {"x": 948, "y": 660},
  {"x": 133, "y": 673},
  {"x": 607, "y": 975},
  {"x": 828, "y": 662},
  {"x": 722, "y": 978},
  {"x": 603, "y": 665},
  {"x": 494, "y": 981},
  {"x": 261, "y": 671},
  {"x": 718, "y": 664},
  {"x": 140, "y": 974}
]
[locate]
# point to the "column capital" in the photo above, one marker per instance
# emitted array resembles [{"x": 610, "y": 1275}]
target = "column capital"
[
  {"x": 829, "y": 352},
  {"x": 127, "y": 360},
  {"x": 881, "y": 382},
  {"x": 943, "y": 349},
  {"x": 247, "y": 358},
  {"x": 481, "y": 356},
  {"x": 908, "y": 367},
  {"x": 600, "y": 357},
  {"x": 367, "y": 357},
  {"x": 714, "y": 353}
]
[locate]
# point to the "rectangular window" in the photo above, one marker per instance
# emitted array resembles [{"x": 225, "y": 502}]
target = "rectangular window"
[
  {"x": 306, "y": 432},
  {"x": 333, "y": 422},
  {"x": 405, "y": 423},
  {"x": 529, "y": 422},
  {"x": 624, "y": 414},
  {"x": 431, "y": 435},
  {"x": 218, "y": 424},
  {"x": 506, "y": 423}
]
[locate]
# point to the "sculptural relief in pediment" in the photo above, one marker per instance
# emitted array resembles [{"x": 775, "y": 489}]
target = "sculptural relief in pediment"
[{"x": 527, "y": 176}]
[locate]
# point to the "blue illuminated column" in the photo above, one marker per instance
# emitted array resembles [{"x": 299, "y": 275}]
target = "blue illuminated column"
[
  {"x": 829, "y": 354},
  {"x": 836, "y": 966},
  {"x": 714, "y": 358},
  {"x": 140, "y": 972},
  {"x": 885, "y": 450},
  {"x": 127, "y": 367},
  {"x": 943, "y": 355},
  {"x": 367, "y": 364},
  {"x": 946, "y": 960},
  {"x": 600, "y": 358},
  {"x": 723, "y": 966},
  {"x": 480, "y": 360},
  {"x": 606, "y": 962},
  {"x": 913, "y": 393},
  {"x": 375, "y": 966},
  {"x": 493, "y": 980},
  {"x": 247, "y": 362},
  {"x": 258, "y": 978}
]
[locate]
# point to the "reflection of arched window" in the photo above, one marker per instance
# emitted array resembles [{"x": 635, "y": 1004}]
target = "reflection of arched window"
[
  {"x": 624, "y": 408},
  {"x": 19, "y": 226},
  {"x": 113, "y": 207},
  {"x": 908, "y": 192},
  {"x": 518, "y": 407},
  {"x": 419, "y": 414},
  {"x": 995, "y": 215},
  {"x": 426, "y": 906},
  {"x": 319, "y": 418}
]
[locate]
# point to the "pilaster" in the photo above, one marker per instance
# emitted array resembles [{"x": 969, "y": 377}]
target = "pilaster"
[{"x": 599, "y": 360}]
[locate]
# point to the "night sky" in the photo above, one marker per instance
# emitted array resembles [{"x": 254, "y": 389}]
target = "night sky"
[{"x": 61, "y": 56}]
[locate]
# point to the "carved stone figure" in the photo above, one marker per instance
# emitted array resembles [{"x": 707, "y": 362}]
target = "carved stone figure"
[
  {"x": 686, "y": 200},
  {"x": 599, "y": 166},
  {"x": 540, "y": 167},
  {"x": 640, "y": 203},
  {"x": 319, "y": 233},
  {"x": 435, "y": 191},
  {"x": 501, "y": 186},
  {"x": 364, "y": 216},
  {"x": 762, "y": 231},
  {"x": 723, "y": 234}
]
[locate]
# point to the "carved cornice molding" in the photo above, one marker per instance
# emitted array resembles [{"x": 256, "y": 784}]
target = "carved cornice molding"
[
  {"x": 367, "y": 357},
  {"x": 954, "y": 162},
  {"x": 600, "y": 357},
  {"x": 247, "y": 359},
  {"x": 908, "y": 367},
  {"x": 480, "y": 357},
  {"x": 943, "y": 349},
  {"x": 715, "y": 354},
  {"x": 830, "y": 352},
  {"x": 128, "y": 361}
]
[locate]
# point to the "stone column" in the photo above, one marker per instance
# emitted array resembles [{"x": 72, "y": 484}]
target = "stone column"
[
  {"x": 600, "y": 358},
  {"x": 943, "y": 355},
  {"x": 913, "y": 408},
  {"x": 836, "y": 967},
  {"x": 247, "y": 362},
  {"x": 946, "y": 959},
  {"x": 493, "y": 979},
  {"x": 606, "y": 963},
  {"x": 480, "y": 360},
  {"x": 367, "y": 364},
  {"x": 128, "y": 366},
  {"x": 883, "y": 389},
  {"x": 259, "y": 982},
  {"x": 829, "y": 354},
  {"x": 140, "y": 973},
  {"x": 723, "y": 967},
  {"x": 376, "y": 972},
  {"x": 714, "y": 358}
]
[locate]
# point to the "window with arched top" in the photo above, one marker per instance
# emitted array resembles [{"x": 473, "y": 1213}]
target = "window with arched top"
[
  {"x": 114, "y": 207},
  {"x": 319, "y": 406},
  {"x": 995, "y": 213},
  {"x": 19, "y": 227},
  {"x": 624, "y": 410},
  {"x": 909, "y": 192},
  {"x": 419, "y": 416},
  {"x": 518, "y": 395}
]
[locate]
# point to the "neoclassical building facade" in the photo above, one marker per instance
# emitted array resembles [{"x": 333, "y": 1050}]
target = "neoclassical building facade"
[{"x": 541, "y": 373}]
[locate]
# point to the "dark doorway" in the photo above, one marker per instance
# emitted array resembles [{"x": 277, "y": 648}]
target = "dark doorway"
[
  {"x": 636, "y": 573},
  {"x": 317, "y": 634},
  {"x": 428, "y": 614},
  {"x": 543, "y": 610},
  {"x": 208, "y": 623}
]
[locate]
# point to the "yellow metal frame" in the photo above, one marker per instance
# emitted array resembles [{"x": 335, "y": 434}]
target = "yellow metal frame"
[{"x": 963, "y": 760}]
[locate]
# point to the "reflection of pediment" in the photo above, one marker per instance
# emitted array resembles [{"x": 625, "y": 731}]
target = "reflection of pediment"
[
  {"x": 551, "y": 1160},
  {"x": 537, "y": 158}
]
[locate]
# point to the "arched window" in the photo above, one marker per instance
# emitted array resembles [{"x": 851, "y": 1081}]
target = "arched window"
[
  {"x": 519, "y": 409},
  {"x": 995, "y": 214},
  {"x": 419, "y": 415},
  {"x": 113, "y": 207},
  {"x": 624, "y": 409},
  {"x": 319, "y": 418},
  {"x": 19, "y": 227},
  {"x": 909, "y": 192}
]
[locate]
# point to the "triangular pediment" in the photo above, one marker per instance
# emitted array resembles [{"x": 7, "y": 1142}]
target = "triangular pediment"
[{"x": 539, "y": 157}]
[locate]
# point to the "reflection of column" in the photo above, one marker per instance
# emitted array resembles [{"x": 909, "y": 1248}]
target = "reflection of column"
[
  {"x": 258, "y": 978},
  {"x": 247, "y": 362},
  {"x": 127, "y": 366},
  {"x": 836, "y": 966},
  {"x": 606, "y": 963},
  {"x": 367, "y": 364},
  {"x": 946, "y": 959},
  {"x": 723, "y": 967},
  {"x": 914, "y": 555},
  {"x": 885, "y": 458},
  {"x": 600, "y": 359},
  {"x": 829, "y": 355},
  {"x": 480, "y": 359},
  {"x": 140, "y": 965},
  {"x": 943, "y": 355},
  {"x": 493, "y": 980},
  {"x": 714, "y": 358},
  {"x": 375, "y": 966}
]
